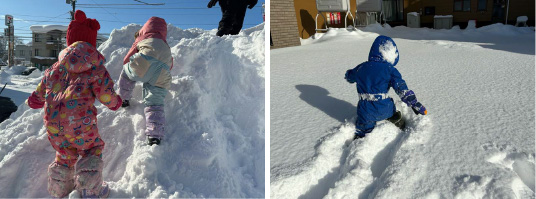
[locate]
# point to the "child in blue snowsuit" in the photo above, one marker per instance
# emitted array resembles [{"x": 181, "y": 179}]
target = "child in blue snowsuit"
[{"x": 373, "y": 79}]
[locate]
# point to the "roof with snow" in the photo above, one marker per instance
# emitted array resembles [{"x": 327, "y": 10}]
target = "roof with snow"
[{"x": 47, "y": 28}]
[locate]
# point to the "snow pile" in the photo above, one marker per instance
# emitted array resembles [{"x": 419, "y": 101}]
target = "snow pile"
[
  {"x": 477, "y": 140},
  {"x": 5, "y": 77},
  {"x": 35, "y": 74},
  {"x": 214, "y": 144},
  {"x": 7, "y": 72}
]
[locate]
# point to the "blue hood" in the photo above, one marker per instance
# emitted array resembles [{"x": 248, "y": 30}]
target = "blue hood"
[{"x": 384, "y": 50}]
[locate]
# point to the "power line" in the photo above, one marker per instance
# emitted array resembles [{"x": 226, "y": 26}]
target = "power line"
[
  {"x": 152, "y": 4},
  {"x": 170, "y": 8},
  {"x": 126, "y": 4},
  {"x": 109, "y": 12}
]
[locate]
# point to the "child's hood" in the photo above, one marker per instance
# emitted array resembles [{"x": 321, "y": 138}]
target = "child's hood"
[
  {"x": 80, "y": 57},
  {"x": 155, "y": 27},
  {"x": 384, "y": 50}
]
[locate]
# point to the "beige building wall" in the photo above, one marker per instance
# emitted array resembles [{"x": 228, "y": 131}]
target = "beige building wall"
[{"x": 283, "y": 24}]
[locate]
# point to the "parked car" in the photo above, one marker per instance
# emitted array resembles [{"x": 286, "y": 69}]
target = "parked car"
[{"x": 28, "y": 71}]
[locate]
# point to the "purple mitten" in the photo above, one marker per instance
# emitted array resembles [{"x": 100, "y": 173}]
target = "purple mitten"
[
  {"x": 409, "y": 98},
  {"x": 418, "y": 108}
]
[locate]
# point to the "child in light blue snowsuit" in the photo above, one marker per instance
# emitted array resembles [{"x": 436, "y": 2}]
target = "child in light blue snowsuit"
[
  {"x": 373, "y": 79},
  {"x": 149, "y": 61}
]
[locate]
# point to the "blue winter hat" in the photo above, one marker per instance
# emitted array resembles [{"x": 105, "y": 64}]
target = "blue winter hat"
[{"x": 384, "y": 50}]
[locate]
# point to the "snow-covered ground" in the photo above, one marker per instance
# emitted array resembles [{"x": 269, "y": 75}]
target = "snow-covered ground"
[
  {"x": 477, "y": 140},
  {"x": 214, "y": 144}
]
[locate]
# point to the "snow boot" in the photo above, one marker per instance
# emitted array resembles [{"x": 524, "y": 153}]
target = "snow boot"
[
  {"x": 104, "y": 192},
  {"x": 155, "y": 121},
  {"x": 88, "y": 180},
  {"x": 60, "y": 180},
  {"x": 398, "y": 120},
  {"x": 357, "y": 136},
  {"x": 153, "y": 140}
]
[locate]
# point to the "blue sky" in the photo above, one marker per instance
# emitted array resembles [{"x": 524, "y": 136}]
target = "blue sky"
[{"x": 181, "y": 13}]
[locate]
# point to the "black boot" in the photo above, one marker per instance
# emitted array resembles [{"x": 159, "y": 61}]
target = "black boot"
[
  {"x": 152, "y": 140},
  {"x": 356, "y": 136},
  {"x": 398, "y": 120},
  {"x": 125, "y": 103}
]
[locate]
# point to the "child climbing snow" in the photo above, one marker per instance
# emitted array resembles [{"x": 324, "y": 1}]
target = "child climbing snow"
[
  {"x": 373, "y": 80},
  {"x": 149, "y": 61},
  {"x": 67, "y": 92}
]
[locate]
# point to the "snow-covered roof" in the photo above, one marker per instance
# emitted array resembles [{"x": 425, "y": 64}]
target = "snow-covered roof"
[
  {"x": 47, "y": 28},
  {"x": 39, "y": 57},
  {"x": 413, "y": 13}
]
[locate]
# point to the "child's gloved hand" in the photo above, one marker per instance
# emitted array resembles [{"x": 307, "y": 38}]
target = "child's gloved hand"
[
  {"x": 212, "y": 3},
  {"x": 418, "y": 108},
  {"x": 409, "y": 98},
  {"x": 347, "y": 77},
  {"x": 119, "y": 103}
]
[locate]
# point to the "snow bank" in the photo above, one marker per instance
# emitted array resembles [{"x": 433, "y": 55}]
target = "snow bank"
[
  {"x": 7, "y": 72},
  {"x": 5, "y": 77},
  {"x": 214, "y": 144}
]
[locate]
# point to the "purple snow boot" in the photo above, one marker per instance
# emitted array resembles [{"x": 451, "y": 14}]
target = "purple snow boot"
[
  {"x": 155, "y": 121},
  {"x": 60, "y": 180},
  {"x": 89, "y": 177}
]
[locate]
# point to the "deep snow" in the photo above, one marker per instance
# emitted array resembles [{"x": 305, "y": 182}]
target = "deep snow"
[
  {"x": 214, "y": 144},
  {"x": 477, "y": 140}
]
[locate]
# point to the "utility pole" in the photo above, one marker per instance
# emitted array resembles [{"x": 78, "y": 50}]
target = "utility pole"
[
  {"x": 73, "y": 4},
  {"x": 9, "y": 31}
]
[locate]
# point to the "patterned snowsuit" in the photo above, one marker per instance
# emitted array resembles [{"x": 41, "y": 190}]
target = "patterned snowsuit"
[
  {"x": 67, "y": 92},
  {"x": 149, "y": 61}
]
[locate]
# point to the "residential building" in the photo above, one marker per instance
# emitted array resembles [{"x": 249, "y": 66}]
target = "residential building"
[
  {"x": 395, "y": 12},
  {"x": 23, "y": 54},
  {"x": 47, "y": 43}
]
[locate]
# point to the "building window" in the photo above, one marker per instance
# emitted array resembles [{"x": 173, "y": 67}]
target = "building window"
[
  {"x": 21, "y": 53},
  {"x": 54, "y": 53},
  {"x": 30, "y": 52},
  {"x": 462, "y": 5},
  {"x": 429, "y": 10},
  {"x": 36, "y": 52},
  {"x": 37, "y": 38},
  {"x": 482, "y": 5}
]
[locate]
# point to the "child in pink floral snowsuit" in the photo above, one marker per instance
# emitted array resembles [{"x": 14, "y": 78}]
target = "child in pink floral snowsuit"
[{"x": 67, "y": 92}]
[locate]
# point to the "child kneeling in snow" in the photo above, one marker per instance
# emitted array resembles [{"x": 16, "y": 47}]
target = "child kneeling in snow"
[
  {"x": 149, "y": 61},
  {"x": 373, "y": 80},
  {"x": 67, "y": 92}
]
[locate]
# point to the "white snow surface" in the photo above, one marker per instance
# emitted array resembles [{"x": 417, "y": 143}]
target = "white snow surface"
[
  {"x": 477, "y": 141},
  {"x": 214, "y": 144}
]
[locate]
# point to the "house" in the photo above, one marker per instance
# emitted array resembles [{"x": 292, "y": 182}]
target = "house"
[
  {"x": 47, "y": 43},
  {"x": 23, "y": 54},
  {"x": 395, "y": 12}
]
